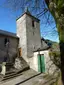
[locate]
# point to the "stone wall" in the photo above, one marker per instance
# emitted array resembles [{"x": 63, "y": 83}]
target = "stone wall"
[
  {"x": 21, "y": 33},
  {"x": 11, "y": 49},
  {"x": 33, "y": 35},
  {"x": 20, "y": 63}
]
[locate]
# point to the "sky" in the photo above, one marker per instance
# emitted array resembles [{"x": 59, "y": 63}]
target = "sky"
[
  {"x": 8, "y": 23},
  {"x": 7, "y": 20}
]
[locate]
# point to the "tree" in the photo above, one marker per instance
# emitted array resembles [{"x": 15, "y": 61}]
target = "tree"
[{"x": 56, "y": 8}]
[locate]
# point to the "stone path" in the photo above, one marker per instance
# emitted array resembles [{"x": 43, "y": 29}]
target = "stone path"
[{"x": 29, "y": 77}]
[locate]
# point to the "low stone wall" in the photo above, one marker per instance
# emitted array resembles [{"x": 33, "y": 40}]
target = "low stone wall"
[{"x": 20, "y": 63}]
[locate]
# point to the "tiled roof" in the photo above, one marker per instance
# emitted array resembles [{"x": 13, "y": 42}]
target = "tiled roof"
[{"x": 44, "y": 46}]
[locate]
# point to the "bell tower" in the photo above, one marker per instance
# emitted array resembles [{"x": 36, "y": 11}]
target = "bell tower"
[{"x": 28, "y": 31}]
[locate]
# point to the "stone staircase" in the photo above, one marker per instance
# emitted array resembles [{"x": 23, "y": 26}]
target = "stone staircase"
[
  {"x": 12, "y": 74},
  {"x": 20, "y": 66},
  {"x": 30, "y": 77}
]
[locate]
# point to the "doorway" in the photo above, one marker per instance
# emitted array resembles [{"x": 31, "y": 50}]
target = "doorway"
[{"x": 41, "y": 63}]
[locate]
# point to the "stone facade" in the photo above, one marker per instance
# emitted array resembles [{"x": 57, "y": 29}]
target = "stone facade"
[
  {"x": 21, "y": 33},
  {"x": 29, "y": 35},
  {"x": 33, "y": 35},
  {"x": 9, "y": 51}
]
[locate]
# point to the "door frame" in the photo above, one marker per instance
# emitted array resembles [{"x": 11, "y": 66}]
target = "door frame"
[{"x": 40, "y": 69}]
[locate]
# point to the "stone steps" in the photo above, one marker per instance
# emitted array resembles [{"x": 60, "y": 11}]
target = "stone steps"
[{"x": 14, "y": 74}]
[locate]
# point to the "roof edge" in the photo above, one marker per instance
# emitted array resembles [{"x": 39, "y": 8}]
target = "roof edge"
[
  {"x": 3, "y": 32},
  {"x": 29, "y": 15},
  {"x": 41, "y": 49}
]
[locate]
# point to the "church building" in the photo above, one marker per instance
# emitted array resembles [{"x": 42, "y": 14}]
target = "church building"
[{"x": 33, "y": 49}]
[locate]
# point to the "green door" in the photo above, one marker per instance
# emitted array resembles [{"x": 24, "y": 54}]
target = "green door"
[{"x": 41, "y": 63}]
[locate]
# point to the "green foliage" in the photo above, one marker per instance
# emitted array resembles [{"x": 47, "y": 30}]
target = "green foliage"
[
  {"x": 55, "y": 57},
  {"x": 60, "y": 3},
  {"x": 55, "y": 54}
]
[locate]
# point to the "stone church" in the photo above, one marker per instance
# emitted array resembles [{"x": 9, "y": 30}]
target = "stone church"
[{"x": 26, "y": 43}]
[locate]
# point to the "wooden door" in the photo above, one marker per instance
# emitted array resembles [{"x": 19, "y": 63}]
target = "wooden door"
[{"x": 41, "y": 63}]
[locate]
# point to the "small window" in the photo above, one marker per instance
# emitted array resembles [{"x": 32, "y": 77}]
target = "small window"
[
  {"x": 6, "y": 41},
  {"x": 32, "y": 23}
]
